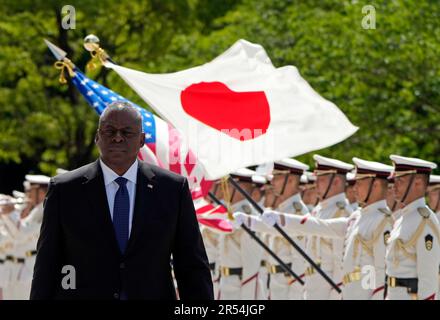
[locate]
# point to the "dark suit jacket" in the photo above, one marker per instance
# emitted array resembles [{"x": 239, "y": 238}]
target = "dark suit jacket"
[{"x": 77, "y": 230}]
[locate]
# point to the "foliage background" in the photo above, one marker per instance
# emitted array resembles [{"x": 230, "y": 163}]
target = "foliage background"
[{"x": 387, "y": 80}]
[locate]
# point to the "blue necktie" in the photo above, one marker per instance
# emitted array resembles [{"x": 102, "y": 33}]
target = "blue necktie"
[{"x": 121, "y": 212}]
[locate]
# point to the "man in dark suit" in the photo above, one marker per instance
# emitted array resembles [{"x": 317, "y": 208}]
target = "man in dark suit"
[{"x": 110, "y": 227}]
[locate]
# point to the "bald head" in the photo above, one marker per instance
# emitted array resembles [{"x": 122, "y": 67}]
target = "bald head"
[
  {"x": 122, "y": 106},
  {"x": 120, "y": 136}
]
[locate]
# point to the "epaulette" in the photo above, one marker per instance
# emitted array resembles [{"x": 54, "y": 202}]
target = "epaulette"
[
  {"x": 386, "y": 211},
  {"x": 246, "y": 209},
  {"x": 297, "y": 206},
  {"x": 341, "y": 205},
  {"x": 424, "y": 212}
]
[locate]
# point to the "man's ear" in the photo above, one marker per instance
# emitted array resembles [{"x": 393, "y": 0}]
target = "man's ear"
[
  {"x": 142, "y": 140},
  {"x": 96, "y": 136}
]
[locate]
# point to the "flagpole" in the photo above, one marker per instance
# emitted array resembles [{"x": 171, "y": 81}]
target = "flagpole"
[
  {"x": 261, "y": 243},
  {"x": 285, "y": 235}
]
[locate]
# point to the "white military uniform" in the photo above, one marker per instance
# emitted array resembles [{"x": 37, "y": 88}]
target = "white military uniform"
[
  {"x": 283, "y": 286},
  {"x": 327, "y": 252},
  {"x": 364, "y": 233},
  {"x": 413, "y": 253},
  {"x": 295, "y": 290},
  {"x": 25, "y": 249},
  {"x": 239, "y": 253},
  {"x": 10, "y": 266}
]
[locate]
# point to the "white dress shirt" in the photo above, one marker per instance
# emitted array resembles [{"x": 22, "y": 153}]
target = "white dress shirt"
[{"x": 111, "y": 187}]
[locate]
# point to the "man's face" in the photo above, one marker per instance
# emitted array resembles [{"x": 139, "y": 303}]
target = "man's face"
[
  {"x": 400, "y": 186},
  {"x": 351, "y": 196},
  {"x": 119, "y": 138},
  {"x": 390, "y": 195},
  {"x": 433, "y": 198},
  {"x": 322, "y": 183},
  {"x": 361, "y": 189}
]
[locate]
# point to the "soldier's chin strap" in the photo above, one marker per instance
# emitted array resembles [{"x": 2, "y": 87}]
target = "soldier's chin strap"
[
  {"x": 408, "y": 188},
  {"x": 370, "y": 188},
  {"x": 328, "y": 186},
  {"x": 286, "y": 178}
]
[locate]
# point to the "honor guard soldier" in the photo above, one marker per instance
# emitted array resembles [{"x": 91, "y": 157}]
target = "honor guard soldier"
[
  {"x": 327, "y": 253},
  {"x": 413, "y": 254},
  {"x": 364, "y": 232},
  {"x": 349, "y": 191},
  {"x": 285, "y": 196},
  {"x": 239, "y": 255},
  {"x": 27, "y": 237}
]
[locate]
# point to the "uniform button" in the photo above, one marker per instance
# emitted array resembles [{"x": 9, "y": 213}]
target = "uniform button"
[
  {"x": 116, "y": 295},
  {"x": 122, "y": 265}
]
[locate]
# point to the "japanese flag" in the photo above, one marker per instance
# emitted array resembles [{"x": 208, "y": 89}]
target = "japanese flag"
[{"x": 239, "y": 110}]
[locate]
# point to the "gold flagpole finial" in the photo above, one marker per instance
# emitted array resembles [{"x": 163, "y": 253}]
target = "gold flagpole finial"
[
  {"x": 63, "y": 65},
  {"x": 91, "y": 44}
]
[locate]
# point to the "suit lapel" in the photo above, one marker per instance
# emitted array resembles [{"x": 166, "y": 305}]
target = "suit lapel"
[
  {"x": 97, "y": 197},
  {"x": 144, "y": 202}
]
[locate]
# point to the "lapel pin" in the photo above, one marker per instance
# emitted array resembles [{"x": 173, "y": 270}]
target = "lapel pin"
[{"x": 150, "y": 186}]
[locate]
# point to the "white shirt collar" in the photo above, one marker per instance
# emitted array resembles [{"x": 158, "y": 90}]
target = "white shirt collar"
[{"x": 110, "y": 175}]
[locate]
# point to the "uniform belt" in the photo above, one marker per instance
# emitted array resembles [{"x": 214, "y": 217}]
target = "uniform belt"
[
  {"x": 212, "y": 266},
  {"x": 311, "y": 270},
  {"x": 411, "y": 284},
  {"x": 278, "y": 268},
  {"x": 15, "y": 259},
  {"x": 31, "y": 253},
  {"x": 352, "y": 277},
  {"x": 225, "y": 271}
]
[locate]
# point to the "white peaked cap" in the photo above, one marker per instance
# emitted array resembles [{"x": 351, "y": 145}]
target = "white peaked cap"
[
  {"x": 304, "y": 179},
  {"x": 413, "y": 162},
  {"x": 37, "y": 179},
  {"x": 405, "y": 165},
  {"x": 292, "y": 164},
  {"x": 324, "y": 164},
  {"x": 310, "y": 176},
  {"x": 366, "y": 168},
  {"x": 434, "y": 179}
]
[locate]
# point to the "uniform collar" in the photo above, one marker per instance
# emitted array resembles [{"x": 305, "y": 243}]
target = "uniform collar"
[
  {"x": 420, "y": 202},
  {"x": 330, "y": 202},
  {"x": 374, "y": 206},
  {"x": 110, "y": 175},
  {"x": 288, "y": 202}
]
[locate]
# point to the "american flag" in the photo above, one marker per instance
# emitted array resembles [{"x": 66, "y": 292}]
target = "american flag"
[{"x": 163, "y": 144}]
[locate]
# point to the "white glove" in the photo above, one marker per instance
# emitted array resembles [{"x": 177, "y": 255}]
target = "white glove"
[
  {"x": 239, "y": 219},
  {"x": 270, "y": 217}
]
